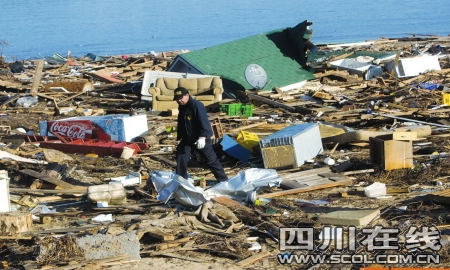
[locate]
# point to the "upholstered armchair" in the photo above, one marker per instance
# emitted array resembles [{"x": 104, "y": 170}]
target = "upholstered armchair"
[{"x": 207, "y": 90}]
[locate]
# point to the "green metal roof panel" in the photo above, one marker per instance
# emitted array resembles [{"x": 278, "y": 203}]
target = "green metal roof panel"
[{"x": 272, "y": 51}]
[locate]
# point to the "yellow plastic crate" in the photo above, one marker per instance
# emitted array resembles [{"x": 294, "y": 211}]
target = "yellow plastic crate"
[
  {"x": 247, "y": 139},
  {"x": 446, "y": 99}
]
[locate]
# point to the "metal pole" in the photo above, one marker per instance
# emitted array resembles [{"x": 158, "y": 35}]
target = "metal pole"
[{"x": 411, "y": 120}]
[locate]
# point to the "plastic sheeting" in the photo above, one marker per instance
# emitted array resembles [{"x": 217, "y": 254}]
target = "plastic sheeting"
[
  {"x": 241, "y": 187},
  {"x": 169, "y": 184}
]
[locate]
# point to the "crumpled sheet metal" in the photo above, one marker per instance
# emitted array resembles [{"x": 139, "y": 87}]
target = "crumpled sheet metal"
[{"x": 241, "y": 187}]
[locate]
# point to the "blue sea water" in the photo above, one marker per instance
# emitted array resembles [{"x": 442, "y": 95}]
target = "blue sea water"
[{"x": 41, "y": 28}]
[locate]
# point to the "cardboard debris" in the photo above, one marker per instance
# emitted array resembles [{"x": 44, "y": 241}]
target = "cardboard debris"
[{"x": 391, "y": 154}]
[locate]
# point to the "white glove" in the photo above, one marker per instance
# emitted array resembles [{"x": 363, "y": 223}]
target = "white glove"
[{"x": 200, "y": 143}]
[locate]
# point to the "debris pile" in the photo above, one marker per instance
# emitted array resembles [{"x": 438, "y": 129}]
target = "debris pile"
[{"x": 87, "y": 166}]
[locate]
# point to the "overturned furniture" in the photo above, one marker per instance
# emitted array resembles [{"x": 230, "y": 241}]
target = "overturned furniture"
[
  {"x": 150, "y": 77},
  {"x": 206, "y": 90}
]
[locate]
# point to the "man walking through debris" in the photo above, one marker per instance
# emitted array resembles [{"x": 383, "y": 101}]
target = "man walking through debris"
[{"x": 194, "y": 130}]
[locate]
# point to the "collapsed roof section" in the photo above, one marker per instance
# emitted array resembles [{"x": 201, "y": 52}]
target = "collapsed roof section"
[{"x": 281, "y": 53}]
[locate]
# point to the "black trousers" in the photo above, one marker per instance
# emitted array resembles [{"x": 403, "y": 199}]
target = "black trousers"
[{"x": 183, "y": 155}]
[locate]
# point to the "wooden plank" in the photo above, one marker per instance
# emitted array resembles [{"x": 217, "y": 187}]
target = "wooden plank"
[
  {"x": 15, "y": 222},
  {"x": 306, "y": 173},
  {"x": 52, "y": 180},
  {"x": 302, "y": 190},
  {"x": 310, "y": 181},
  {"x": 46, "y": 191},
  {"x": 172, "y": 244},
  {"x": 272, "y": 103},
  {"x": 404, "y": 136},
  {"x": 410, "y": 120},
  {"x": 160, "y": 235},
  {"x": 15, "y": 237},
  {"x": 235, "y": 130},
  {"x": 69, "y": 98},
  {"x": 305, "y": 179},
  {"x": 442, "y": 196},
  {"x": 254, "y": 258},
  {"x": 37, "y": 77},
  {"x": 11, "y": 84},
  {"x": 103, "y": 76},
  {"x": 358, "y": 172},
  {"x": 397, "y": 106},
  {"x": 160, "y": 158},
  {"x": 66, "y": 230},
  {"x": 313, "y": 180},
  {"x": 391, "y": 190},
  {"x": 231, "y": 203}
]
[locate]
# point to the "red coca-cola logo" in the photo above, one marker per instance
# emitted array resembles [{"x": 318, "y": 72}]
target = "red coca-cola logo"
[{"x": 72, "y": 129}]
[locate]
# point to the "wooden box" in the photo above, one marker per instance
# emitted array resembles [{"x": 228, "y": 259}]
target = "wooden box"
[{"x": 391, "y": 154}]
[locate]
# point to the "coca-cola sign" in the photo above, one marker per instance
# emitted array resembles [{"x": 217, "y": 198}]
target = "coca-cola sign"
[{"x": 72, "y": 129}]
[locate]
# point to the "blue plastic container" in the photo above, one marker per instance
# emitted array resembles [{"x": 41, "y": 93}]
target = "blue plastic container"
[{"x": 234, "y": 149}]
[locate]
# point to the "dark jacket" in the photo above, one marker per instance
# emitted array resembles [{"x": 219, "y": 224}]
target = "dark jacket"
[{"x": 193, "y": 122}]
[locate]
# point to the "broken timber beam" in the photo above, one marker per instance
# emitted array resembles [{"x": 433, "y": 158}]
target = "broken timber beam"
[
  {"x": 228, "y": 202},
  {"x": 69, "y": 98},
  {"x": 301, "y": 190},
  {"x": 46, "y": 191},
  {"x": 165, "y": 160},
  {"x": 411, "y": 120},
  {"x": 15, "y": 222},
  {"x": 253, "y": 258},
  {"x": 52, "y": 180},
  {"x": 247, "y": 127},
  {"x": 273, "y": 103},
  {"x": 37, "y": 77}
]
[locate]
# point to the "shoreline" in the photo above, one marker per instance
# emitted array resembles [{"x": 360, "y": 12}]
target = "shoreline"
[{"x": 406, "y": 38}]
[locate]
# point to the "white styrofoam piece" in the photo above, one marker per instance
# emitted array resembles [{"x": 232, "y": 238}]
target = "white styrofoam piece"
[
  {"x": 366, "y": 70},
  {"x": 293, "y": 86},
  {"x": 4, "y": 192},
  {"x": 133, "y": 178},
  {"x": 414, "y": 66},
  {"x": 377, "y": 189}
]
